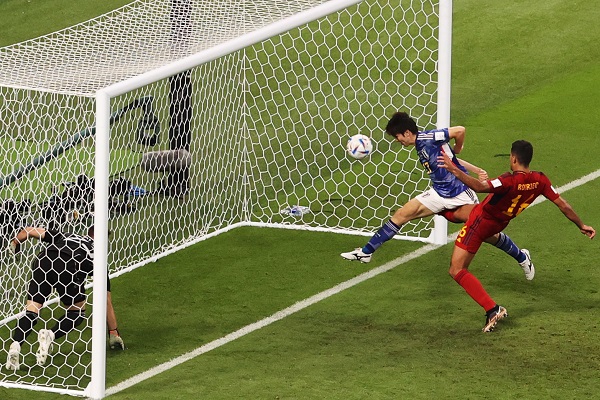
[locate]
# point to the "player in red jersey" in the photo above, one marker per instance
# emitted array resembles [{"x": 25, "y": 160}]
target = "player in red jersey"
[{"x": 509, "y": 195}]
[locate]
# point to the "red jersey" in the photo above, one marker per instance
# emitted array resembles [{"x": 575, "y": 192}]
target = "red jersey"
[{"x": 512, "y": 193}]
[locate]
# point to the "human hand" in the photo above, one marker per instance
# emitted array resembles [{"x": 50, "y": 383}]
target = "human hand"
[
  {"x": 588, "y": 231},
  {"x": 445, "y": 162},
  {"x": 115, "y": 341},
  {"x": 482, "y": 175},
  {"x": 14, "y": 246}
]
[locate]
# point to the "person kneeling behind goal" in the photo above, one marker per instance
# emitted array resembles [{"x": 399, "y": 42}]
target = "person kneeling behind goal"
[{"x": 63, "y": 265}]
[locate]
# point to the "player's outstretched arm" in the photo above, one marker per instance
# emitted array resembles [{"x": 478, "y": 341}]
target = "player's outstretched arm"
[
  {"x": 445, "y": 162},
  {"x": 30, "y": 232},
  {"x": 480, "y": 172},
  {"x": 458, "y": 134},
  {"x": 568, "y": 211},
  {"x": 23, "y": 235},
  {"x": 111, "y": 316}
]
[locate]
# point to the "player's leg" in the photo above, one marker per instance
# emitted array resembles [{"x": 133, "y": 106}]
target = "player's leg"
[
  {"x": 500, "y": 240},
  {"x": 418, "y": 207},
  {"x": 24, "y": 327},
  {"x": 459, "y": 271},
  {"x": 466, "y": 246},
  {"x": 413, "y": 209},
  {"x": 71, "y": 290},
  {"x": 458, "y": 215},
  {"x": 457, "y": 209},
  {"x": 26, "y": 323},
  {"x": 522, "y": 256},
  {"x": 73, "y": 317},
  {"x": 38, "y": 290}
]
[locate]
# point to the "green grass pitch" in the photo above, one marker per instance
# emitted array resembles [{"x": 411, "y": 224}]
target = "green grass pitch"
[{"x": 522, "y": 69}]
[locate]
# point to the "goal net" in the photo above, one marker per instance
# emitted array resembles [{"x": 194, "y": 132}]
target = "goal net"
[{"x": 168, "y": 122}]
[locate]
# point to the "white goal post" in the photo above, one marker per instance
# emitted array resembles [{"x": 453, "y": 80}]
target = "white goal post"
[{"x": 168, "y": 122}]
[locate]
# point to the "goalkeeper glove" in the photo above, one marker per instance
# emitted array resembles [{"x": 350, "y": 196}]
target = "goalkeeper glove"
[
  {"x": 114, "y": 340},
  {"x": 15, "y": 246}
]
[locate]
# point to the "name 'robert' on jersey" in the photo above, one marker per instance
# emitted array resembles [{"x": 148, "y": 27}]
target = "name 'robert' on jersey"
[
  {"x": 511, "y": 193},
  {"x": 429, "y": 145}
]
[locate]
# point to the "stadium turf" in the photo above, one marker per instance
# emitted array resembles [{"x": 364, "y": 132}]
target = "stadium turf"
[{"x": 526, "y": 70}]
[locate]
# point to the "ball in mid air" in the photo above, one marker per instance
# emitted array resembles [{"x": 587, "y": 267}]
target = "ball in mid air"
[{"x": 359, "y": 146}]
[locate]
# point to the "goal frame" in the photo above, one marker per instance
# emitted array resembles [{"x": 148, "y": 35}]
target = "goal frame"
[
  {"x": 101, "y": 111},
  {"x": 97, "y": 386}
]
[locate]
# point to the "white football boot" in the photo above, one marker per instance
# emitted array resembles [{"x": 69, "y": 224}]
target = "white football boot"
[
  {"x": 13, "y": 358},
  {"x": 45, "y": 339},
  {"x": 357, "y": 255},
  {"x": 527, "y": 265}
]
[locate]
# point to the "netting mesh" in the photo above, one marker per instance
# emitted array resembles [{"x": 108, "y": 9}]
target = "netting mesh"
[
  {"x": 134, "y": 39},
  {"x": 312, "y": 88},
  {"x": 234, "y": 140}
]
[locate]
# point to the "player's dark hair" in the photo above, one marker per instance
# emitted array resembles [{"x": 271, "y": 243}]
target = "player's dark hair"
[
  {"x": 400, "y": 123},
  {"x": 523, "y": 151}
]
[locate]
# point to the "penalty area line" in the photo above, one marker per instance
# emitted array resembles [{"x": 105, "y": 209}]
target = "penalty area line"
[{"x": 301, "y": 305}]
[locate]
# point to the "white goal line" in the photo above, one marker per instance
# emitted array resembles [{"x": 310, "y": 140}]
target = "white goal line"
[{"x": 279, "y": 315}]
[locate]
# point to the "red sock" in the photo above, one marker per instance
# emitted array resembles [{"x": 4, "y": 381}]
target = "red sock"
[
  {"x": 449, "y": 215},
  {"x": 475, "y": 289}
]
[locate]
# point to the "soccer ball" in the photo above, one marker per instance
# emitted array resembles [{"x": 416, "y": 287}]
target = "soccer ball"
[{"x": 359, "y": 146}]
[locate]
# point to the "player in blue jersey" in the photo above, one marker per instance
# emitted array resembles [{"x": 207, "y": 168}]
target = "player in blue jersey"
[{"x": 448, "y": 196}]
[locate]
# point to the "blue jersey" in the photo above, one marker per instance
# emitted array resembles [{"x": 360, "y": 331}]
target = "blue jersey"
[{"x": 430, "y": 145}]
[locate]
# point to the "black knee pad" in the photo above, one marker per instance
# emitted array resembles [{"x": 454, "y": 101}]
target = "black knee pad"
[
  {"x": 33, "y": 316},
  {"x": 74, "y": 315}
]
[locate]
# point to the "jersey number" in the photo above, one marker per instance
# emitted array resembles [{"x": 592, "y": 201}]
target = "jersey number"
[
  {"x": 424, "y": 160},
  {"x": 515, "y": 202},
  {"x": 427, "y": 167},
  {"x": 462, "y": 234}
]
